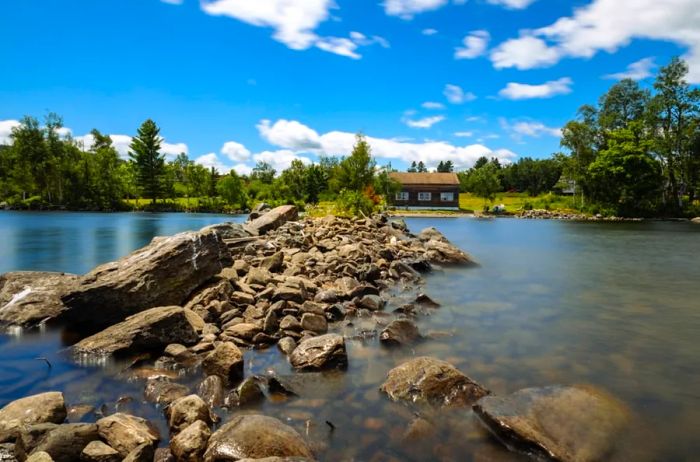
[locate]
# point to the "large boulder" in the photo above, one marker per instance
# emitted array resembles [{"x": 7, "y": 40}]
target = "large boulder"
[
  {"x": 400, "y": 332},
  {"x": 126, "y": 433},
  {"x": 444, "y": 253},
  {"x": 225, "y": 361},
  {"x": 28, "y": 298},
  {"x": 185, "y": 411},
  {"x": 576, "y": 424},
  {"x": 165, "y": 272},
  {"x": 66, "y": 442},
  {"x": 148, "y": 330},
  {"x": 227, "y": 230},
  {"x": 47, "y": 407},
  {"x": 318, "y": 353},
  {"x": 431, "y": 381},
  {"x": 696, "y": 220},
  {"x": 255, "y": 437},
  {"x": 272, "y": 220},
  {"x": 189, "y": 445}
]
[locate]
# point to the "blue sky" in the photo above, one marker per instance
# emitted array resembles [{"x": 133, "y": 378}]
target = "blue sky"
[{"x": 232, "y": 82}]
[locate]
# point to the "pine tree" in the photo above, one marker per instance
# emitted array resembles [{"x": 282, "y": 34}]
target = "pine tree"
[{"x": 150, "y": 163}]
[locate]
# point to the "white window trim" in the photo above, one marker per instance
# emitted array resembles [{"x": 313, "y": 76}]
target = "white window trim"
[
  {"x": 443, "y": 197},
  {"x": 425, "y": 196},
  {"x": 402, "y": 196}
]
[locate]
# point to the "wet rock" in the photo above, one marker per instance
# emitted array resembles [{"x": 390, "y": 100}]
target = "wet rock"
[
  {"x": 152, "y": 329},
  {"x": 47, "y": 407},
  {"x": 289, "y": 322},
  {"x": 178, "y": 352},
  {"x": 696, "y": 220},
  {"x": 578, "y": 424},
  {"x": 400, "y": 332},
  {"x": 424, "y": 300},
  {"x": 418, "y": 429},
  {"x": 28, "y": 437},
  {"x": 289, "y": 294},
  {"x": 255, "y": 437},
  {"x": 287, "y": 345},
  {"x": 187, "y": 410},
  {"x": 161, "y": 390},
  {"x": 326, "y": 296},
  {"x": 212, "y": 390},
  {"x": 97, "y": 451},
  {"x": 27, "y": 298},
  {"x": 314, "y": 323},
  {"x": 189, "y": 445},
  {"x": 371, "y": 302},
  {"x": 226, "y": 361},
  {"x": 243, "y": 330},
  {"x": 430, "y": 234},
  {"x": 272, "y": 220},
  {"x": 165, "y": 272},
  {"x": 227, "y": 230},
  {"x": 248, "y": 392},
  {"x": 271, "y": 323},
  {"x": 125, "y": 433},
  {"x": 258, "y": 276},
  {"x": 66, "y": 442},
  {"x": 142, "y": 453},
  {"x": 163, "y": 455},
  {"x": 78, "y": 412},
  {"x": 444, "y": 253},
  {"x": 431, "y": 381},
  {"x": 317, "y": 353}
]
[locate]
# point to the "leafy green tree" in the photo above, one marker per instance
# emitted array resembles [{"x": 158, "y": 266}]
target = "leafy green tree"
[
  {"x": 484, "y": 182},
  {"x": 481, "y": 161},
  {"x": 230, "y": 188},
  {"x": 315, "y": 182},
  {"x": 107, "y": 184},
  {"x": 263, "y": 172},
  {"x": 150, "y": 163},
  {"x": 385, "y": 185},
  {"x": 623, "y": 103},
  {"x": 293, "y": 179},
  {"x": 29, "y": 153},
  {"x": 356, "y": 171}
]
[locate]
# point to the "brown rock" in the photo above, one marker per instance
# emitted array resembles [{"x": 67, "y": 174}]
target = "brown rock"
[
  {"x": 142, "y": 453},
  {"x": 400, "y": 332},
  {"x": 212, "y": 390},
  {"x": 189, "y": 445},
  {"x": 314, "y": 323},
  {"x": 187, "y": 410},
  {"x": 152, "y": 329},
  {"x": 318, "y": 353},
  {"x": 47, "y": 407},
  {"x": 161, "y": 390},
  {"x": 125, "y": 432},
  {"x": 97, "y": 451},
  {"x": 40, "y": 456},
  {"x": 272, "y": 220},
  {"x": 66, "y": 442},
  {"x": 226, "y": 361},
  {"x": 431, "y": 381}
]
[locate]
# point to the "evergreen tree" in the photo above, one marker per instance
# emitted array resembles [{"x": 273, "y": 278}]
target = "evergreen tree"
[
  {"x": 421, "y": 168},
  {"x": 356, "y": 171},
  {"x": 413, "y": 168},
  {"x": 150, "y": 163}
]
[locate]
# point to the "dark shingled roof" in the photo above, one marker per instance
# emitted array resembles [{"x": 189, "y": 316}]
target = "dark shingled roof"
[{"x": 406, "y": 178}]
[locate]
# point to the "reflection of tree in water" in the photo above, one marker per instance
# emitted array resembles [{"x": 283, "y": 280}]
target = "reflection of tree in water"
[{"x": 143, "y": 229}]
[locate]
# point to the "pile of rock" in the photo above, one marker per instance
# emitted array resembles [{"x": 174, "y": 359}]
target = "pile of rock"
[{"x": 541, "y": 214}]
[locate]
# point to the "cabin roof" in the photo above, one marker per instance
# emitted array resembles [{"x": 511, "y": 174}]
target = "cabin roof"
[{"x": 407, "y": 178}]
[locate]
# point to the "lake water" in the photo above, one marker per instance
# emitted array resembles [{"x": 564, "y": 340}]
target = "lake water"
[{"x": 616, "y": 305}]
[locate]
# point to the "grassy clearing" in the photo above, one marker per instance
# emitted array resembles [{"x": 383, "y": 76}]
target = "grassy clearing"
[{"x": 517, "y": 202}]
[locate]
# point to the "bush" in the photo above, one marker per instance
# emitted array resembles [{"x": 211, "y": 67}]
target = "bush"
[{"x": 355, "y": 203}]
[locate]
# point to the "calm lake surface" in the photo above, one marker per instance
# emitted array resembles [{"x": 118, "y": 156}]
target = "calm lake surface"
[{"x": 616, "y": 305}]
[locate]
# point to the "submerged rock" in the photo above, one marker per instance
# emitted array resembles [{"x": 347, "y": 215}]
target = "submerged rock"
[
  {"x": 255, "y": 437},
  {"x": 165, "y": 272},
  {"x": 189, "y": 445},
  {"x": 431, "y": 381},
  {"x": 149, "y": 330},
  {"x": 27, "y": 298},
  {"x": 322, "y": 352},
  {"x": 444, "y": 253},
  {"x": 400, "y": 332},
  {"x": 577, "y": 424},
  {"x": 65, "y": 443},
  {"x": 212, "y": 390},
  {"x": 226, "y": 361},
  {"x": 187, "y": 410},
  {"x": 47, "y": 407}
]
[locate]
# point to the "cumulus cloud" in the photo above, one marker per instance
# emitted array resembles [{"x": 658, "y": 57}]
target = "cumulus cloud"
[
  {"x": 520, "y": 129},
  {"x": 549, "y": 89},
  {"x": 122, "y": 142},
  {"x": 289, "y": 134},
  {"x": 425, "y": 122},
  {"x": 280, "y": 159},
  {"x": 407, "y": 9},
  {"x": 456, "y": 95},
  {"x": 6, "y": 127},
  {"x": 607, "y": 25},
  {"x": 513, "y": 4},
  {"x": 473, "y": 45},
  {"x": 464, "y": 134},
  {"x": 294, "y": 23},
  {"x": 235, "y": 151},
  {"x": 429, "y": 31},
  {"x": 638, "y": 70},
  {"x": 432, "y": 105}
]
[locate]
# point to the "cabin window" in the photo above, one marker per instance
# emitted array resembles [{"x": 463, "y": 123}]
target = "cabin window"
[
  {"x": 424, "y": 196},
  {"x": 402, "y": 196},
  {"x": 447, "y": 197}
]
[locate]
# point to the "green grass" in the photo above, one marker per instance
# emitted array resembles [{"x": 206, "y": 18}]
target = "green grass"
[{"x": 516, "y": 202}]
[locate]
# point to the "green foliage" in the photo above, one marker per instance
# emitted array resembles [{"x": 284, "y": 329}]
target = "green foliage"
[
  {"x": 150, "y": 163},
  {"x": 445, "y": 167},
  {"x": 355, "y": 203},
  {"x": 263, "y": 172},
  {"x": 230, "y": 188},
  {"x": 484, "y": 181},
  {"x": 356, "y": 171}
]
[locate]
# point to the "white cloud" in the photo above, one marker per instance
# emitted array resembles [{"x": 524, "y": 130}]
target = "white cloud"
[
  {"x": 406, "y": 9},
  {"x": 173, "y": 2},
  {"x": 608, "y": 25},
  {"x": 520, "y": 129},
  {"x": 464, "y": 134},
  {"x": 6, "y": 127},
  {"x": 289, "y": 134},
  {"x": 549, "y": 89},
  {"x": 638, "y": 70},
  {"x": 122, "y": 142},
  {"x": 235, "y": 151},
  {"x": 456, "y": 95},
  {"x": 513, "y": 4},
  {"x": 280, "y": 159},
  {"x": 212, "y": 160},
  {"x": 474, "y": 45},
  {"x": 525, "y": 52},
  {"x": 425, "y": 122},
  {"x": 429, "y": 31},
  {"x": 432, "y": 105},
  {"x": 294, "y": 23}
]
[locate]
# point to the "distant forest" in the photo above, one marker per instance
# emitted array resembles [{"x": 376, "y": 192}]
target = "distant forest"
[{"x": 634, "y": 153}]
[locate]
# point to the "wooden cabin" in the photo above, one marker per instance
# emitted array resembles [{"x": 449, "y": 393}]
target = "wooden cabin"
[{"x": 427, "y": 190}]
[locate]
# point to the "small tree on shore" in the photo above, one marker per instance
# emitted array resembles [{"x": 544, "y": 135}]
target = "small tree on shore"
[{"x": 150, "y": 163}]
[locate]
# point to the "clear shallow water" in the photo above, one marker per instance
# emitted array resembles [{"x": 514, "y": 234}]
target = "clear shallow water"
[{"x": 615, "y": 305}]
